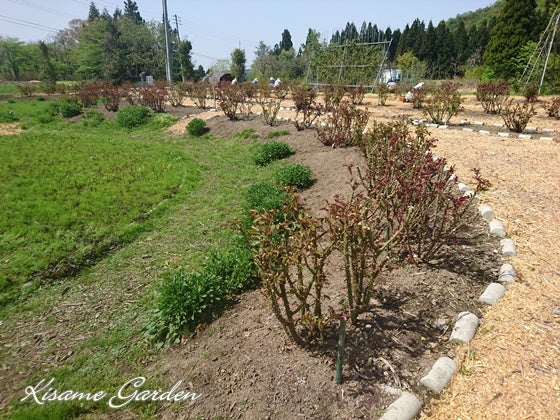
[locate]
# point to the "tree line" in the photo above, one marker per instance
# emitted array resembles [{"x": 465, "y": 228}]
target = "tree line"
[{"x": 121, "y": 46}]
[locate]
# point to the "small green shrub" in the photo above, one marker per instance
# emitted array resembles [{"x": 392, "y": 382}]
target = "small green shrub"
[
  {"x": 235, "y": 267},
  {"x": 184, "y": 301},
  {"x": 45, "y": 118},
  {"x": 295, "y": 175},
  {"x": 197, "y": 127},
  {"x": 264, "y": 196},
  {"x": 65, "y": 109},
  {"x": 133, "y": 116},
  {"x": 271, "y": 151}
]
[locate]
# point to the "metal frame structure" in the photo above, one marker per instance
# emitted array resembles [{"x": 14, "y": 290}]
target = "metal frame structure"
[
  {"x": 386, "y": 45},
  {"x": 543, "y": 49}
]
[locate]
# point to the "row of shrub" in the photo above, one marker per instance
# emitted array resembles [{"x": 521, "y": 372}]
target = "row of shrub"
[{"x": 404, "y": 207}]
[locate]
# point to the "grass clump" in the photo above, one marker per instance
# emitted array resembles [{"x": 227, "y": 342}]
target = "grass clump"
[
  {"x": 249, "y": 133},
  {"x": 133, "y": 116},
  {"x": 274, "y": 134},
  {"x": 272, "y": 151},
  {"x": 197, "y": 127},
  {"x": 295, "y": 175}
]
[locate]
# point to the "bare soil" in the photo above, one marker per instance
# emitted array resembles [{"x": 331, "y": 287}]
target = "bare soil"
[{"x": 246, "y": 367}]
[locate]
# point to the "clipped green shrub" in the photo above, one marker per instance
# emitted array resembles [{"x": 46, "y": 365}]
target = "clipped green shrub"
[
  {"x": 264, "y": 196},
  {"x": 65, "y": 109},
  {"x": 295, "y": 175},
  {"x": 235, "y": 267},
  {"x": 133, "y": 116},
  {"x": 184, "y": 301},
  {"x": 197, "y": 127},
  {"x": 271, "y": 151}
]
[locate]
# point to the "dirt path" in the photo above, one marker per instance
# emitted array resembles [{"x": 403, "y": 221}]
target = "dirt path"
[{"x": 512, "y": 367}]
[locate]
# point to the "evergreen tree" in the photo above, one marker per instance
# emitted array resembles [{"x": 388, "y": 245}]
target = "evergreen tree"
[
  {"x": 513, "y": 29},
  {"x": 445, "y": 52},
  {"x": 93, "y": 12},
  {"x": 286, "y": 44},
  {"x": 428, "y": 51},
  {"x": 131, "y": 11},
  {"x": 238, "y": 62},
  {"x": 395, "y": 36}
]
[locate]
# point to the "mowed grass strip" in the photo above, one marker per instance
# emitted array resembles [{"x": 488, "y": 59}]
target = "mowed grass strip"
[{"x": 69, "y": 196}]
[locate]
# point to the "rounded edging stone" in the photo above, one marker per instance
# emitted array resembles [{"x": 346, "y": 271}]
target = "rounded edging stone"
[
  {"x": 406, "y": 407},
  {"x": 492, "y": 294},
  {"x": 440, "y": 374},
  {"x": 465, "y": 328}
]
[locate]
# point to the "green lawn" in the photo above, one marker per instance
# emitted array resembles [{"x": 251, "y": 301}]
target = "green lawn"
[{"x": 148, "y": 204}]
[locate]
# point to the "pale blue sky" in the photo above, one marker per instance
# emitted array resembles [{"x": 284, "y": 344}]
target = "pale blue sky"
[{"x": 216, "y": 27}]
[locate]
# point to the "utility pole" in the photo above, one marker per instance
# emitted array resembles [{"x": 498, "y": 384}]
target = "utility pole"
[
  {"x": 179, "y": 39},
  {"x": 167, "y": 49}
]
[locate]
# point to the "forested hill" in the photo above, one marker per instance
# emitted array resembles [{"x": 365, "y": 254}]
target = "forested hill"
[{"x": 475, "y": 17}]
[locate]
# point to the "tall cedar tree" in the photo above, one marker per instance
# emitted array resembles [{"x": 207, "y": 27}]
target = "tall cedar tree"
[
  {"x": 238, "y": 62},
  {"x": 514, "y": 28}
]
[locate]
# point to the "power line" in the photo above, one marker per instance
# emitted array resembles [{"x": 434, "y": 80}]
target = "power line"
[{"x": 28, "y": 24}]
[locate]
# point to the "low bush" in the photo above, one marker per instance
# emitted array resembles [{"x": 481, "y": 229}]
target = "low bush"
[
  {"x": 133, "y": 116},
  {"x": 111, "y": 95},
  {"x": 26, "y": 89},
  {"x": 552, "y": 107},
  {"x": 235, "y": 267},
  {"x": 198, "y": 92},
  {"x": 177, "y": 93},
  {"x": 89, "y": 94},
  {"x": 185, "y": 300},
  {"x": 69, "y": 110},
  {"x": 197, "y": 127},
  {"x": 492, "y": 96},
  {"x": 290, "y": 257},
  {"x": 270, "y": 112},
  {"x": 153, "y": 97},
  {"x": 530, "y": 92},
  {"x": 295, "y": 175},
  {"x": 272, "y": 151},
  {"x": 344, "y": 126},
  {"x": 163, "y": 120},
  {"x": 264, "y": 196},
  {"x": 443, "y": 103},
  {"x": 306, "y": 106},
  {"x": 516, "y": 116}
]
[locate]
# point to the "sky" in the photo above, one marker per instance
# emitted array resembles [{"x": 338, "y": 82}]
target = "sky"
[{"x": 216, "y": 27}]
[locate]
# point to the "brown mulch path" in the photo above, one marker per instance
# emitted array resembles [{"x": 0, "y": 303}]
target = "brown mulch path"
[{"x": 512, "y": 367}]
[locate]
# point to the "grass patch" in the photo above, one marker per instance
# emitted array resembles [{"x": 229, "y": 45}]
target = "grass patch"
[
  {"x": 274, "y": 134},
  {"x": 70, "y": 196},
  {"x": 98, "y": 315}
]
